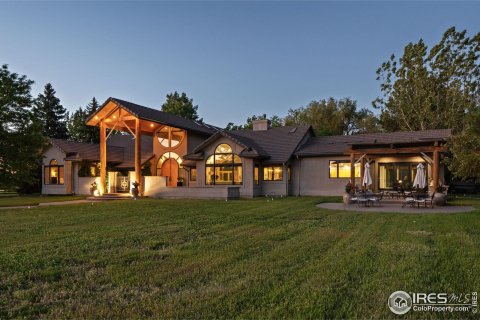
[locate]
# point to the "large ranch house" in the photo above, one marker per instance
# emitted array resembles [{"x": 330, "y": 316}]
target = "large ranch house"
[{"x": 173, "y": 157}]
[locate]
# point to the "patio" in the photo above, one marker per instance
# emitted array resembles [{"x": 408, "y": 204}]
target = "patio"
[{"x": 395, "y": 207}]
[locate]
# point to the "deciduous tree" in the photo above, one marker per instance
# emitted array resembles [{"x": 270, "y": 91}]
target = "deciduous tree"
[{"x": 181, "y": 105}]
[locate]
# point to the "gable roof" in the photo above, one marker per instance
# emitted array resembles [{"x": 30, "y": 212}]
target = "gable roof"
[
  {"x": 158, "y": 116},
  {"x": 328, "y": 145},
  {"x": 276, "y": 145}
]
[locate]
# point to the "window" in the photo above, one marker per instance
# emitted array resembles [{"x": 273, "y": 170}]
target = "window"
[
  {"x": 255, "y": 174},
  {"x": 53, "y": 173},
  {"x": 223, "y": 167},
  {"x": 341, "y": 169},
  {"x": 193, "y": 174},
  {"x": 274, "y": 173},
  {"x": 397, "y": 174},
  {"x": 289, "y": 174},
  {"x": 170, "y": 137}
]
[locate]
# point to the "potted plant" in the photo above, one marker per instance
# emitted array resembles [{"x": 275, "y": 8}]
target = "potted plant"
[
  {"x": 180, "y": 182},
  {"x": 135, "y": 190},
  {"x": 93, "y": 188},
  {"x": 349, "y": 190}
]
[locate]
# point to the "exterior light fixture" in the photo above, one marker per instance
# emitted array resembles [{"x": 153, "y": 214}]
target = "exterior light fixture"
[{"x": 151, "y": 125}]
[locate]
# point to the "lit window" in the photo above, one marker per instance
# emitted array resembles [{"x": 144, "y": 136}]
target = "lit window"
[
  {"x": 53, "y": 173},
  {"x": 255, "y": 174},
  {"x": 341, "y": 169},
  {"x": 223, "y": 167},
  {"x": 193, "y": 174},
  {"x": 274, "y": 173},
  {"x": 170, "y": 137}
]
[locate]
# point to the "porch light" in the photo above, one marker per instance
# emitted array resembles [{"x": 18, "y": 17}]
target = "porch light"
[
  {"x": 114, "y": 117},
  {"x": 151, "y": 125},
  {"x": 96, "y": 193},
  {"x": 96, "y": 117}
]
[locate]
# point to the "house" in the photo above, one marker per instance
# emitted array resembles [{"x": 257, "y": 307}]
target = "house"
[{"x": 174, "y": 157}]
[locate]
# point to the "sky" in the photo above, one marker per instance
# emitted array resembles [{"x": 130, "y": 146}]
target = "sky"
[{"x": 235, "y": 59}]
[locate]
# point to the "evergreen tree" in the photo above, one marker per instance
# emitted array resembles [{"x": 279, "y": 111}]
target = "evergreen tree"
[
  {"x": 51, "y": 114},
  {"x": 22, "y": 142},
  {"x": 181, "y": 105},
  {"x": 77, "y": 124}
]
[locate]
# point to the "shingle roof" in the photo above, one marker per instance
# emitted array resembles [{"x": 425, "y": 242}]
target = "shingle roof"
[
  {"x": 276, "y": 145},
  {"x": 120, "y": 150},
  {"x": 87, "y": 151},
  {"x": 340, "y": 144},
  {"x": 158, "y": 116}
]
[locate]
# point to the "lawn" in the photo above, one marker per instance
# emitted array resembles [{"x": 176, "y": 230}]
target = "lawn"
[
  {"x": 215, "y": 259},
  {"x": 32, "y": 200}
]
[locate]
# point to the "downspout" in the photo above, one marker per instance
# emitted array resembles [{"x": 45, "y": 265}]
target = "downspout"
[{"x": 299, "y": 174}]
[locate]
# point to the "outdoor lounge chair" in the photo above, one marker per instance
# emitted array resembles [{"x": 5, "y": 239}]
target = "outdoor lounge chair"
[
  {"x": 425, "y": 201},
  {"x": 408, "y": 201},
  {"x": 375, "y": 199}
]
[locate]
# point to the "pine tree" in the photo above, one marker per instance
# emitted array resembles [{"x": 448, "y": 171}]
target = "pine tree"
[
  {"x": 77, "y": 124},
  {"x": 51, "y": 114}
]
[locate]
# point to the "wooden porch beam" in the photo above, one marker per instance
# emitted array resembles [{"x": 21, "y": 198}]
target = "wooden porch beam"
[
  {"x": 138, "y": 154},
  {"x": 352, "y": 168},
  {"x": 398, "y": 150},
  {"x": 103, "y": 158},
  {"x": 436, "y": 157}
]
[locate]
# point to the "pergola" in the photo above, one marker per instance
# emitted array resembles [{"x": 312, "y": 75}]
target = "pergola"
[
  {"x": 114, "y": 116},
  {"x": 359, "y": 152}
]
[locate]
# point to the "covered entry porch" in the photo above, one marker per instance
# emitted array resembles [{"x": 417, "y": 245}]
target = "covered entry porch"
[{"x": 112, "y": 117}]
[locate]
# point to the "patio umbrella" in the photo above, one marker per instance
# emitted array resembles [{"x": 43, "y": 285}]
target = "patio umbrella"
[
  {"x": 420, "y": 178},
  {"x": 367, "y": 177}
]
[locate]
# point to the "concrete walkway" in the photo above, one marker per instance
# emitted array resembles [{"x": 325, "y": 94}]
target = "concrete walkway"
[
  {"x": 47, "y": 204},
  {"x": 395, "y": 208}
]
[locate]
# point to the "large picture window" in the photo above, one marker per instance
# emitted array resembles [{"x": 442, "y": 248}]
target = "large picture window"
[
  {"x": 54, "y": 173},
  {"x": 273, "y": 173},
  {"x": 170, "y": 137},
  {"x": 223, "y": 167},
  {"x": 341, "y": 169}
]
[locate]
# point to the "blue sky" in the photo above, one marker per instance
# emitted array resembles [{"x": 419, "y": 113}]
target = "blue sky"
[{"x": 234, "y": 59}]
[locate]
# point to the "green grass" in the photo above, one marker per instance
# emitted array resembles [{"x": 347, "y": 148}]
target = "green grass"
[
  {"x": 33, "y": 200},
  {"x": 215, "y": 259}
]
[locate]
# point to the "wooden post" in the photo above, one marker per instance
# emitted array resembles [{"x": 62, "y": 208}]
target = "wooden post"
[
  {"x": 435, "y": 169},
  {"x": 362, "y": 170},
  {"x": 103, "y": 158},
  {"x": 138, "y": 155},
  {"x": 352, "y": 168}
]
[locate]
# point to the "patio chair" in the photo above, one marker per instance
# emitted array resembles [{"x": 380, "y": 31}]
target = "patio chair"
[
  {"x": 408, "y": 201},
  {"x": 361, "y": 199},
  {"x": 425, "y": 201},
  {"x": 376, "y": 199}
]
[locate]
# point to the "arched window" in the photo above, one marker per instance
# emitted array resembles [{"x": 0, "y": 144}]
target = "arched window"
[
  {"x": 53, "y": 173},
  {"x": 170, "y": 165},
  {"x": 170, "y": 137},
  {"x": 223, "y": 167}
]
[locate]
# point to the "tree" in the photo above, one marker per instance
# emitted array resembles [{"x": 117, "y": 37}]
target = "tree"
[
  {"x": 334, "y": 117},
  {"x": 274, "y": 122},
  {"x": 77, "y": 124},
  {"x": 22, "y": 142},
  {"x": 181, "y": 105},
  {"x": 51, "y": 114},
  {"x": 433, "y": 89}
]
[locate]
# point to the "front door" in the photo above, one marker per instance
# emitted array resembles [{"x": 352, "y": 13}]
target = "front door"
[
  {"x": 170, "y": 171},
  {"x": 122, "y": 183}
]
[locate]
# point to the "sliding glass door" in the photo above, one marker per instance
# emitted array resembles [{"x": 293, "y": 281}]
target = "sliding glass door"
[{"x": 396, "y": 174}]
